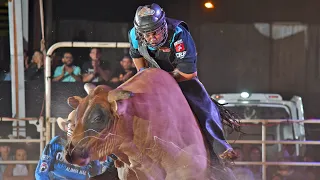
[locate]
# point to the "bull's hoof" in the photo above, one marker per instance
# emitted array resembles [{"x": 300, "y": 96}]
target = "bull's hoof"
[{"x": 229, "y": 154}]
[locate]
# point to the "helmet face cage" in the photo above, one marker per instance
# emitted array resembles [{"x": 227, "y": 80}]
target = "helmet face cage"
[{"x": 162, "y": 29}]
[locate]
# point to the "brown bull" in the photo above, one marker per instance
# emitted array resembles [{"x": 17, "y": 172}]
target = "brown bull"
[{"x": 150, "y": 129}]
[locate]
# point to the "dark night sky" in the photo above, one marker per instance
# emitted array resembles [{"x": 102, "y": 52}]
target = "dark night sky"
[
  {"x": 244, "y": 11},
  {"x": 112, "y": 11}
]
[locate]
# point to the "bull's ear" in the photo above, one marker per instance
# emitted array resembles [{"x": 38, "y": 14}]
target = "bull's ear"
[
  {"x": 62, "y": 124},
  {"x": 119, "y": 94},
  {"x": 74, "y": 101}
]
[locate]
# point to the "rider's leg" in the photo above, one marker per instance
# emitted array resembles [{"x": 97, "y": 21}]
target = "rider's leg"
[{"x": 207, "y": 114}]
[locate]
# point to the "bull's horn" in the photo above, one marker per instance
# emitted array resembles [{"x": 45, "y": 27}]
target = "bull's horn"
[
  {"x": 118, "y": 94},
  {"x": 62, "y": 124},
  {"x": 72, "y": 116},
  {"x": 88, "y": 87}
]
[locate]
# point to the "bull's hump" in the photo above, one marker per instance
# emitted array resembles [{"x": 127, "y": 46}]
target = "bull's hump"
[{"x": 144, "y": 81}]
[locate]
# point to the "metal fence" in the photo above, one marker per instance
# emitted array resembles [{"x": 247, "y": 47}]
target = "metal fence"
[
  {"x": 264, "y": 142},
  {"x": 41, "y": 140}
]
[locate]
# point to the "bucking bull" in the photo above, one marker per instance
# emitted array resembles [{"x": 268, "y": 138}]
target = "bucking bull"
[{"x": 151, "y": 131}]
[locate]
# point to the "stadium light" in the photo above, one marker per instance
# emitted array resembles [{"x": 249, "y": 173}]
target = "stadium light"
[
  {"x": 244, "y": 95},
  {"x": 209, "y": 5}
]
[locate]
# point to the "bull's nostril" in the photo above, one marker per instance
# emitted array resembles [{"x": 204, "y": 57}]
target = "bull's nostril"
[
  {"x": 73, "y": 155},
  {"x": 68, "y": 158},
  {"x": 67, "y": 151}
]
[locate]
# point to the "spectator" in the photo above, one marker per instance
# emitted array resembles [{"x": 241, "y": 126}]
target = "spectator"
[
  {"x": 96, "y": 70},
  {"x": 289, "y": 151},
  {"x": 242, "y": 172},
  {"x": 31, "y": 148},
  {"x": 26, "y": 59},
  {"x": 311, "y": 171},
  {"x": 35, "y": 69},
  {"x": 67, "y": 72},
  {"x": 5, "y": 156},
  {"x": 287, "y": 172},
  {"x": 255, "y": 155},
  {"x": 125, "y": 72},
  {"x": 55, "y": 61},
  {"x": 19, "y": 171},
  {"x": 7, "y": 76}
]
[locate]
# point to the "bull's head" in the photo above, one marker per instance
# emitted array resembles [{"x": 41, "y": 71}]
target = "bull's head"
[{"x": 94, "y": 135}]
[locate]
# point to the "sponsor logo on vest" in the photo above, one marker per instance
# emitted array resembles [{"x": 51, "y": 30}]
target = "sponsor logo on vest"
[{"x": 181, "y": 55}]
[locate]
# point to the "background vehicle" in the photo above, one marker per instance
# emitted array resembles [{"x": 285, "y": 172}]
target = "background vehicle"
[{"x": 269, "y": 107}]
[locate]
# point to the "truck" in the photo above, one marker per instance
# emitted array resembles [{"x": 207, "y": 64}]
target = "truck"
[{"x": 266, "y": 106}]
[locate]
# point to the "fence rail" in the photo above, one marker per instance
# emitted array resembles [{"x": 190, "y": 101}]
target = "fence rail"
[
  {"x": 278, "y": 163},
  {"x": 273, "y": 142},
  {"x": 18, "y": 119},
  {"x": 19, "y": 162},
  {"x": 264, "y": 142},
  {"x": 41, "y": 140}
]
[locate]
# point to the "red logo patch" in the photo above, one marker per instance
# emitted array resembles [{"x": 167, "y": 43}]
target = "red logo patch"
[{"x": 179, "y": 46}]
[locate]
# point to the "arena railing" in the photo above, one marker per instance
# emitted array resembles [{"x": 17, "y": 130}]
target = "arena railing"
[
  {"x": 264, "y": 142},
  {"x": 41, "y": 140}
]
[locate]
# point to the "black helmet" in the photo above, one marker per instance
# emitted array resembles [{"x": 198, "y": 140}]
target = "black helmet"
[{"x": 148, "y": 19}]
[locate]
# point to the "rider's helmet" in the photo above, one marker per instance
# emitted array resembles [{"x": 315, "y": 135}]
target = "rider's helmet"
[{"x": 150, "y": 25}]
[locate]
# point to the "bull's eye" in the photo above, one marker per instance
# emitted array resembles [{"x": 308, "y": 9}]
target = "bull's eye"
[{"x": 97, "y": 119}]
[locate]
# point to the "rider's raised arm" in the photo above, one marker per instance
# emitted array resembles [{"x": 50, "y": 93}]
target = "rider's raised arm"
[
  {"x": 185, "y": 55},
  {"x": 138, "y": 60}
]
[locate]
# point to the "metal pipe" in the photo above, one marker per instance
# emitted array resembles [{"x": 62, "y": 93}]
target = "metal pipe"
[
  {"x": 17, "y": 119},
  {"x": 41, "y": 18},
  {"x": 53, "y": 130},
  {"x": 48, "y": 96},
  {"x": 278, "y": 163},
  {"x": 264, "y": 151},
  {"x": 87, "y": 44},
  {"x": 272, "y": 142},
  {"x": 272, "y": 121},
  {"x": 19, "y": 162},
  {"x": 20, "y": 140},
  {"x": 15, "y": 55},
  {"x": 41, "y": 137}
]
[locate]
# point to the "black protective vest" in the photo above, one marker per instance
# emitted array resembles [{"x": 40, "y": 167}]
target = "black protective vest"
[{"x": 165, "y": 57}]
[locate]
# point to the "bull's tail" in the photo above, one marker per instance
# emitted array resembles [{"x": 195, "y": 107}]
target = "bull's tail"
[{"x": 228, "y": 117}]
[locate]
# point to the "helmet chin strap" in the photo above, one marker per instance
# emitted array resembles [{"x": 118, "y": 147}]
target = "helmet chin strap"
[{"x": 159, "y": 44}]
